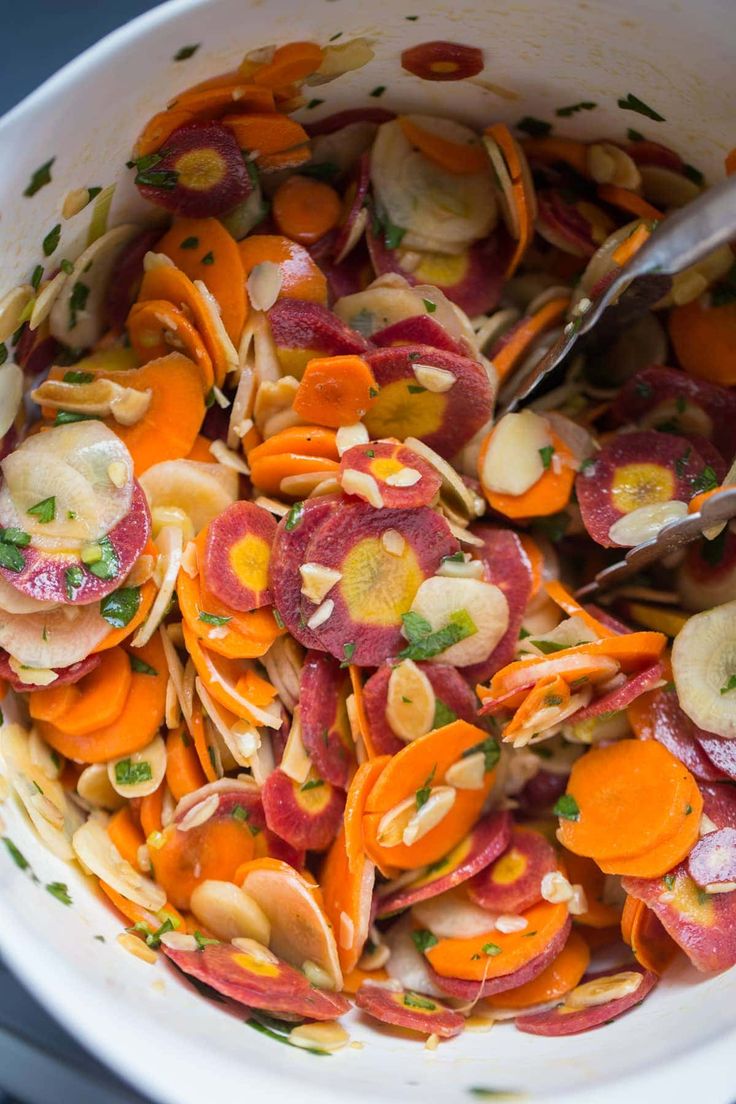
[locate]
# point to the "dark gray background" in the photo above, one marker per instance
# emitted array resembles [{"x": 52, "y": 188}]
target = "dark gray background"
[{"x": 41, "y": 37}]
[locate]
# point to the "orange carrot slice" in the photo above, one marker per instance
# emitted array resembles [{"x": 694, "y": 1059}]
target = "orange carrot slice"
[
  {"x": 704, "y": 338},
  {"x": 170, "y": 283},
  {"x": 156, "y": 328},
  {"x": 278, "y": 141},
  {"x": 562, "y": 597},
  {"x": 137, "y": 914},
  {"x": 148, "y": 594},
  {"x": 198, "y": 733},
  {"x": 562, "y": 975},
  {"x": 536, "y": 560},
  {"x": 522, "y": 190},
  {"x": 305, "y": 209},
  {"x": 201, "y": 104},
  {"x": 729, "y": 162},
  {"x": 364, "y": 727},
  {"x": 225, "y": 631},
  {"x": 95, "y": 701},
  {"x": 550, "y": 493},
  {"x": 549, "y": 693},
  {"x": 183, "y": 771},
  {"x": 300, "y": 276},
  {"x": 203, "y": 250},
  {"x": 628, "y": 248},
  {"x": 470, "y": 960},
  {"x": 528, "y": 331},
  {"x": 126, "y": 834},
  {"x": 453, "y": 157},
  {"x": 413, "y": 771},
  {"x": 305, "y": 440},
  {"x": 663, "y": 857},
  {"x": 549, "y": 150},
  {"x": 352, "y": 981},
  {"x": 585, "y": 872},
  {"x": 360, "y": 787},
  {"x": 220, "y": 676},
  {"x": 631, "y": 796},
  {"x": 150, "y": 811},
  {"x": 336, "y": 391},
  {"x": 346, "y": 894},
  {"x": 653, "y": 947},
  {"x": 290, "y": 64},
  {"x": 628, "y": 201}
]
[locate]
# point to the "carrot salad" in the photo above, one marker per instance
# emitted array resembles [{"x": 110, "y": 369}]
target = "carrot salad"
[{"x": 292, "y": 660}]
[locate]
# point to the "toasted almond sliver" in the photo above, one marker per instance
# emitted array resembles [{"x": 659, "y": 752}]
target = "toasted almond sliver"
[
  {"x": 349, "y": 436},
  {"x": 295, "y": 762},
  {"x": 199, "y": 814},
  {"x": 101, "y": 398},
  {"x": 321, "y": 614},
  {"x": 392, "y": 824},
  {"x": 578, "y": 903},
  {"x": 74, "y": 202},
  {"x": 433, "y": 379},
  {"x": 468, "y": 773},
  {"x": 264, "y": 285},
  {"x": 328, "y": 1035},
  {"x": 317, "y": 581},
  {"x": 555, "y": 888},
  {"x": 256, "y": 950},
  {"x": 302, "y": 485},
  {"x": 406, "y": 477},
  {"x": 230, "y": 459},
  {"x": 393, "y": 542},
  {"x": 363, "y": 485},
  {"x": 468, "y": 569},
  {"x": 605, "y": 989},
  {"x": 12, "y": 307},
  {"x": 137, "y": 947},
  {"x": 179, "y": 941},
  {"x": 508, "y": 923},
  {"x": 432, "y": 812}
]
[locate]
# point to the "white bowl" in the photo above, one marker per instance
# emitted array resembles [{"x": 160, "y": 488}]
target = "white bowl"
[{"x": 152, "y": 1028}]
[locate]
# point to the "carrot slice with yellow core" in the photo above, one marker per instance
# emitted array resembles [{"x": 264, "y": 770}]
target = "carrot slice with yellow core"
[
  {"x": 336, "y": 391},
  {"x": 453, "y": 157},
  {"x": 630, "y": 797},
  {"x": 138, "y": 722},
  {"x": 203, "y": 250},
  {"x": 411, "y": 773},
  {"x": 496, "y": 954},
  {"x": 150, "y": 811},
  {"x": 562, "y": 975}
]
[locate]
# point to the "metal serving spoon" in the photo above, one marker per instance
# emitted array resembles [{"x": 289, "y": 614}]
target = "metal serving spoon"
[{"x": 682, "y": 239}]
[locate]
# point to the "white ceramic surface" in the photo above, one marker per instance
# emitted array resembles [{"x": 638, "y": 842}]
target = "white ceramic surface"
[{"x": 678, "y": 56}]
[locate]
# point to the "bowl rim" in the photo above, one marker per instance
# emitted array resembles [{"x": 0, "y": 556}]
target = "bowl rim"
[{"x": 50, "y": 979}]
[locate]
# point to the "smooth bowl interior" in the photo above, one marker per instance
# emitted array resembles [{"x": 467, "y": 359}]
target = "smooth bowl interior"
[{"x": 540, "y": 55}]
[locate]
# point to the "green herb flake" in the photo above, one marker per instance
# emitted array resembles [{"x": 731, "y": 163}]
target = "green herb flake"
[
  {"x": 669, "y": 881},
  {"x": 335, "y": 36},
  {"x": 51, "y": 241},
  {"x": 483, "y": 1093},
  {"x": 139, "y": 666},
  {"x": 536, "y": 128},
  {"x": 209, "y": 258},
  {"x": 566, "y": 807},
  {"x": 78, "y": 377},
  {"x": 278, "y": 618},
  {"x": 322, "y": 170},
  {"x": 311, "y": 784},
  {"x": 314, "y": 103},
  {"x": 693, "y": 174},
  {"x": 17, "y": 856},
  {"x": 73, "y": 579},
  {"x": 348, "y": 651},
  {"x": 128, "y": 773},
  {"x": 424, "y": 642},
  {"x": 294, "y": 517},
  {"x": 39, "y": 178},
  {"x": 60, "y": 891},
  {"x": 415, "y": 389},
  {"x": 77, "y": 302},
  {"x": 280, "y": 1037},
  {"x": 546, "y": 453},
  {"x": 120, "y": 607},
  {"x": 633, "y": 103},
  {"x": 392, "y": 234},
  {"x": 424, "y": 791},
  {"x": 491, "y": 949},
  {"x": 10, "y": 557},
  {"x": 549, "y": 647},
  {"x": 411, "y": 18},
  {"x": 491, "y": 752},
  {"x": 681, "y": 462},
  {"x": 423, "y": 940},
  {"x": 572, "y": 109},
  {"x": 45, "y": 510},
  {"x": 213, "y": 618},
  {"x": 186, "y": 52},
  {"x": 706, "y": 481},
  {"x": 378, "y": 91},
  {"x": 414, "y": 1000},
  {"x": 634, "y": 135},
  {"x": 429, "y": 306},
  {"x": 108, "y": 565},
  {"x": 189, "y": 243},
  {"x": 443, "y": 715},
  {"x": 202, "y": 941}
]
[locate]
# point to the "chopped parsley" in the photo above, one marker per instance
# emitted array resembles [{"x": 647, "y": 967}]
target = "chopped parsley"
[
  {"x": 311, "y": 784},
  {"x": 729, "y": 685},
  {"x": 153, "y": 938},
  {"x": 45, "y": 510},
  {"x": 424, "y": 791},
  {"x": 66, "y": 417},
  {"x": 140, "y": 667},
  {"x": 108, "y": 565},
  {"x": 39, "y": 178},
  {"x": 415, "y": 389},
  {"x": 294, "y": 516},
  {"x": 3, "y": 352},
  {"x": 491, "y": 949},
  {"x": 681, "y": 462},
  {"x": 536, "y": 128},
  {"x": 278, "y": 618},
  {"x": 120, "y": 607},
  {"x": 706, "y": 481},
  {"x": 443, "y": 715},
  {"x": 77, "y": 302},
  {"x": 73, "y": 579},
  {"x": 424, "y": 642},
  {"x": 633, "y": 103},
  {"x": 51, "y": 241},
  {"x": 429, "y": 306},
  {"x": 209, "y": 258},
  {"x": 693, "y": 174},
  {"x": 78, "y": 377},
  {"x": 202, "y": 941},
  {"x": 322, "y": 170},
  {"x": 414, "y": 1000},
  {"x": 189, "y": 243},
  {"x": 17, "y": 856},
  {"x": 213, "y": 618},
  {"x": 572, "y": 109},
  {"x": 566, "y": 807},
  {"x": 128, "y": 773},
  {"x": 147, "y": 173},
  {"x": 60, "y": 891},
  {"x": 378, "y": 91},
  {"x": 314, "y": 103},
  {"x": 277, "y": 1030},
  {"x": 423, "y": 939},
  {"x": 548, "y": 647},
  {"x": 669, "y": 881},
  {"x": 546, "y": 453},
  {"x": 634, "y": 135},
  {"x": 348, "y": 652},
  {"x": 186, "y": 52},
  {"x": 491, "y": 752},
  {"x": 10, "y": 556}
]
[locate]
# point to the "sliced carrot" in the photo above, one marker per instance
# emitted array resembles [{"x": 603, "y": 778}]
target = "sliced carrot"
[
  {"x": 198, "y": 733},
  {"x": 417, "y": 767},
  {"x": 219, "y": 674},
  {"x": 536, "y": 560},
  {"x": 183, "y": 772},
  {"x": 630, "y": 909},
  {"x": 126, "y": 834},
  {"x": 137, "y": 914},
  {"x": 360, "y": 787},
  {"x": 170, "y": 283},
  {"x": 704, "y": 338},
  {"x": 352, "y": 981},
  {"x": 52, "y": 702},
  {"x": 562, "y": 975},
  {"x": 225, "y": 631},
  {"x": 628, "y": 248},
  {"x": 256, "y": 689},
  {"x": 151, "y": 811},
  {"x": 305, "y": 209},
  {"x": 156, "y": 328},
  {"x": 698, "y": 501},
  {"x": 301, "y": 278},
  {"x": 522, "y": 190},
  {"x": 549, "y": 693},
  {"x": 652, "y": 945},
  {"x": 364, "y": 728},
  {"x": 148, "y": 594},
  {"x": 550, "y": 494},
  {"x": 277, "y": 140},
  {"x": 336, "y": 391},
  {"x": 550, "y": 150},
  {"x": 214, "y": 850},
  {"x": 453, "y": 157},
  {"x": 527, "y": 332},
  {"x": 631, "y": 796},
  {"x": 628, "y": 201},
  {"x": 137, "y": 724},
  {"x": 203, "y": 250},
  {"x": 585, "y": 872},
  {"x": 200, "y": 104},
  {"x": 468, "y": 958},
  {"x": 200, "y": 450},
  {"x": 729, "y": 162},
  {"x": 95, "y": 701},
  {"x": 346, "y": 895},
  {"x": 304, "y": 440},
  {"x": 663, "y": 857},
  {"x": 562, "y": 598},
  {"x": 267, "y": 474},
  {"x": 158, "y": 128},
  {"x": 290, "y": 64}
]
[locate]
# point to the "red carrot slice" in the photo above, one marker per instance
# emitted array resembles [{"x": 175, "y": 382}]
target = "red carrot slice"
[
  {"x": 658, "y": 716},
  {"x": 507, "y": 566},
  {"x": 556, "y": 980},
  {"x": 453, "y": 699},
  {"x": 442, "y": 61},
  {"x": 307, "y": 815},
  {"x": 293, "y": 535},
  {"x": 572, "y": 1021},
  {"x": 409, "y": 1010},
  {"x": 200, "y": 173},
  {"x": 236, "y": 556},
  {"x": 513, "y": 882},
  {"x": 323, "y": 689},
  {"x": 420, "y": 329},
  {"x": 65, "y": 676},
  {"x": 303, "y": 330},
  {"x": 401, "y": 477}
]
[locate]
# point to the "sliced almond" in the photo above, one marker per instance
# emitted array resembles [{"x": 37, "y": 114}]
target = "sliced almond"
[
  {"x": 467, "y": 569},
  {"x": 348, "y": 437},
  {"x": 605, "y": 989},
  {"x": 12, "y": 306},
  {"x": 513, "y": 462},
  {"x": 433, "y": 379},
  {"x": 45, "y": 300},
  {"x": 229, "y": 913},
  {"x": 393, "y": 824},
  {"x": 555, "y": 888},
  {"x": 363, "y": 485},
  {"x": 393, "y": 542},
  {"x": 148, "y": 764},
  {"x": 432, "y": 812},
  {"x": 609, "y": 164},
  {"x": 170, "y": 542},
  {"x": 199, "y": 814},
  {"x": 101, "y": 398},
  {"x": 264, "y": 285},
  {"x": 508, "y": 923},
  {"x": 96, "y": 851},
  {"x": 295, "y": 761},
  {"x": 233, "y": 460},
  {"x": 31, "y": 676},
  {"x": 329, "y": 1036},
  {"x": 302, "y": 485},
  {"x": 74, "y": 202},
  {"x": 405, "y": 477},
  {"x": 179, "y": 941},
  {"x": 645, "y": 522},
  {"x": 317, "y": 581},
  {"x": 137, "y": 947},
  {"x": 410, "y": 704},
  {"x": 213, "y": 309},
  {"x": 93, "y": 786},
  {"x": 468, "y": 773},
  {"x": 321, "y": 614}
]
